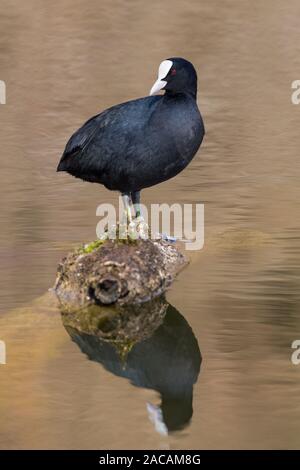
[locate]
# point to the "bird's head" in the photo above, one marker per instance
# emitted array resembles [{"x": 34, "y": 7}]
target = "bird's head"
[{"x": 176, "y": 75}]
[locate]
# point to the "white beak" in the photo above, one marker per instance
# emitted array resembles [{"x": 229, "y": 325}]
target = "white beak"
[
  {"x": 163, "y": 70},
  {"x": 158, "y": 85}
]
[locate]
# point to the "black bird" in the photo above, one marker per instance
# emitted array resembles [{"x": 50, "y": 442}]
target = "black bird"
[{"x": 142, "y": 142}]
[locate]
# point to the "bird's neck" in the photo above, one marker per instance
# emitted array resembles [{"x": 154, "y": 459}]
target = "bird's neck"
[{"x": 189, "y": 93}]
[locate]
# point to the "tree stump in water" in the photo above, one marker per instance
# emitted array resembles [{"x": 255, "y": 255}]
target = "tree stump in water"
[{"x": 117, "y": 272}]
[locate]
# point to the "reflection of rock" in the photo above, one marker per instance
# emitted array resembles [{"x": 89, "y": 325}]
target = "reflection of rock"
[
  {"x": 117, "y": 272},
  {"x": 165, "y": 358},
  {"x": 122, "y": 327}
]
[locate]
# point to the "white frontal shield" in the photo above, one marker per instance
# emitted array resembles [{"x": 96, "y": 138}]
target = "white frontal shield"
[{"x": 163, "y": 71}]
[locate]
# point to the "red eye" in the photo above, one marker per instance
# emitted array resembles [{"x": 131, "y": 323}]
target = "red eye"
[{"x": 173, "y": 72}]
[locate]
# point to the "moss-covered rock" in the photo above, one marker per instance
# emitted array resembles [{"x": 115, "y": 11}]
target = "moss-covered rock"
[{"x": 117, "y": 272}]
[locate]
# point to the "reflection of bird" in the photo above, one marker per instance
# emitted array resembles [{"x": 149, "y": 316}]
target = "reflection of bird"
[
  {"x": 168, "y": 362},
  {"x": 143, "y": 142}
]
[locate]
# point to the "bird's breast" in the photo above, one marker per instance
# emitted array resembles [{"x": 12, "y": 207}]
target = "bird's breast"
[{"x": 180, "y": 128}]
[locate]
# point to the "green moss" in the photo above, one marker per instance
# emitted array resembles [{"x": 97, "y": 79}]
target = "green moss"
[
  {"x": 90, "y": 247},
  {"x": 95, "y": 245}
]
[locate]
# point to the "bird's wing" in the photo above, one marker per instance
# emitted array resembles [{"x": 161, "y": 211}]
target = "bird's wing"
[
  {"x": 83, "y": 136},
  {"x": 104, "y": 136}
]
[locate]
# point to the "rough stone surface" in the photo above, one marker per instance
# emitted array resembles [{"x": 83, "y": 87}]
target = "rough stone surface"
[{"x": 117, "y": 273}]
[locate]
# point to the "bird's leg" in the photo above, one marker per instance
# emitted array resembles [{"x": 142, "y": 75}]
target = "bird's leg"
[
  {"x": 127, "y": 216},
  {"x": 140, "y": 226},
  {"x": 126, "y": 198},
  {"x": 136, "y": 199}
]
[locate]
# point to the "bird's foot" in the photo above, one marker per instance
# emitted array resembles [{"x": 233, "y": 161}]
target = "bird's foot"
[
  {"x": 138, "y": 228},
  {"x": 110, "y": 233},
  {"x": 165, "y": 237}
]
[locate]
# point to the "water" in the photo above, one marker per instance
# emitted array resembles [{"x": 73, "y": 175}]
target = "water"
[{"x": 239, "y": 298}]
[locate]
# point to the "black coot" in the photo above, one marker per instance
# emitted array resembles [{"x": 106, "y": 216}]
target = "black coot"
[{"x": 143, "y": 142}]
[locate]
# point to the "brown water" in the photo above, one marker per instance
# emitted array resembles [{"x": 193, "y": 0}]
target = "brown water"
[{"x": 63, "y": 62}]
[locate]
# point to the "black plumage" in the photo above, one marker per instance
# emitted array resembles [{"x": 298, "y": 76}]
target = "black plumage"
[{"x": 143, "y": 142}]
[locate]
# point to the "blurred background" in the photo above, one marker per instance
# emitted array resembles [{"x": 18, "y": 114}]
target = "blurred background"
[{"x": 64, "y": 61}]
